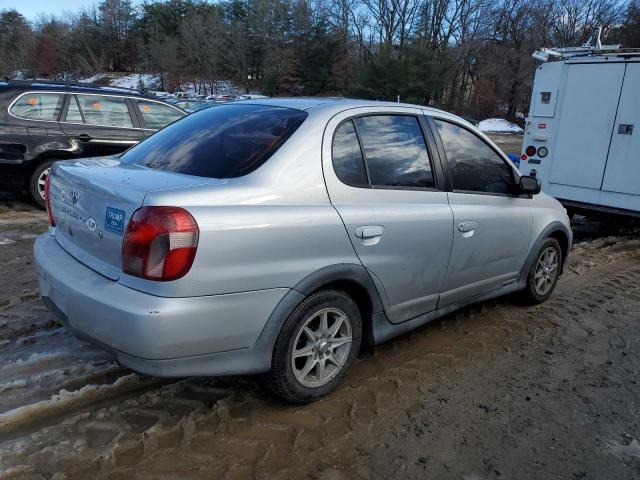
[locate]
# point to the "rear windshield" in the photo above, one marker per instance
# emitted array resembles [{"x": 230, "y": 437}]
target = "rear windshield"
[{"x": 224, "y": 141}]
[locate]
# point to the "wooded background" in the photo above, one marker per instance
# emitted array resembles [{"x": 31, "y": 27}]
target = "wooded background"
[{"x": 469, "y": 56}]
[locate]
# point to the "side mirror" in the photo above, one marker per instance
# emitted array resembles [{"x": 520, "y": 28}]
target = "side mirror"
[{"x": 528, "y": 185}]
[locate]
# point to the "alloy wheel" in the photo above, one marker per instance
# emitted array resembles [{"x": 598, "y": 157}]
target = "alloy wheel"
[
  {"x": 546, "y": 270},
  {"x": 321, "y": 347}
]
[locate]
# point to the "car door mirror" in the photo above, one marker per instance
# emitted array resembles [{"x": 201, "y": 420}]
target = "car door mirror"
[{"x": 528, "y": 185}]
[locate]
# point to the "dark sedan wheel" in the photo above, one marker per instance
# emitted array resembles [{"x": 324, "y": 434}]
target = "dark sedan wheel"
[
  {"x": 37, "y": 182},
  {"x": 316, "y": 347},
  {"x": 544, "y": 273}
]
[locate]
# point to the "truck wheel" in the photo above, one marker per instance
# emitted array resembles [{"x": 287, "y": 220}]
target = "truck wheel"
[
  {"x": 316, "y": 347},
  {"x": 544, "y": 273},
  {"x": 37, "y": 181}
]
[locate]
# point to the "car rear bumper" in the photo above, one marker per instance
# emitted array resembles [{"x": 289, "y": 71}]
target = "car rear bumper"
[{"x": 207, "y": 335}]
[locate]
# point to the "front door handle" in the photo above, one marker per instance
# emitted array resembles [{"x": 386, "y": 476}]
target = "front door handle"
[
  {"x": 369, "y": 231},
  {"x": 84, "y": 137},
  {"x": 467, "y": 226}
]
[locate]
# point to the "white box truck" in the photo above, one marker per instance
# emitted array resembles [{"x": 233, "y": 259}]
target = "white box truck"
[{"x": 582, "y": 134}]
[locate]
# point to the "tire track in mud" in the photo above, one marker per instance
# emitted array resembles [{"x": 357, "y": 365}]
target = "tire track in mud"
[{"x": 233, "y": 429}]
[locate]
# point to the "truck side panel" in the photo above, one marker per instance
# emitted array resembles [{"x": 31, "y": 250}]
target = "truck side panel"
[
  {"x": 622, "y": 172},
  {"x": 586, "y": 121}
]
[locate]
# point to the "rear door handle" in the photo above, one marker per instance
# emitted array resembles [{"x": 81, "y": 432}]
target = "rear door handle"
[
  {"x": 84, "y": 137},
  {"x": 467, "y": 226},
  {"x": 369, "y": 231}
]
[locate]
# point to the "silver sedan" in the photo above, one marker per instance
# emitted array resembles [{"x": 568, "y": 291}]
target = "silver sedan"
[{"x": 276, "y": 236}]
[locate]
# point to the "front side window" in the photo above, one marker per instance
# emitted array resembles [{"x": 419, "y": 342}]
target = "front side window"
[
  {"x": 105, "y": 111},
  {"x": 347, "y": 156},
  {"x": 473, "y": 164},
  {"x": 38, "y": 106},
  {"x": 226, "y": 141},
  {"x": 157, "y": 115},
  {"x": 395, "y": 151}
]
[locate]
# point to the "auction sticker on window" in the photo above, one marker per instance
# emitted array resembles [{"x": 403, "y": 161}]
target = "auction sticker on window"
[{"x": 114, "y": 221}]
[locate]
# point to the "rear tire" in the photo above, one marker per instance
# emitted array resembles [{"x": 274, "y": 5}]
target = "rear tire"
[
  {"x": 544, "y": 273},
  {"x": 37, "y": 181},
  {"x": 316, "y": 347}
]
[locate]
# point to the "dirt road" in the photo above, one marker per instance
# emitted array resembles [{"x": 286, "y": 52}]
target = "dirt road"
[{"x": 495, "y": 391}]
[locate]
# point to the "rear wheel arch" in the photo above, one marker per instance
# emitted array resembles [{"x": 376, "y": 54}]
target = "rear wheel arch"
[{"x": 352, "y": 279}]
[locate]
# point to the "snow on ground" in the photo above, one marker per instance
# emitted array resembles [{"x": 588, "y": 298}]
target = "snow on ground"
[
  {"x": 65, "y": 400},
  {"x": 152, "y": 82},
  {"x": 499, "y": 125},
  {"x": 130, "y": 80},
  {"x": 133, "y": 80}
]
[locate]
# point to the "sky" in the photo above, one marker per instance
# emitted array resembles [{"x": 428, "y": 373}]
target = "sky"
[{"x": 31, "y": 9}]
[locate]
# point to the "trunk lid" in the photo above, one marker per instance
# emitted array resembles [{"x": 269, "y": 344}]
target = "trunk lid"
[{"x": 92, "y": 201}]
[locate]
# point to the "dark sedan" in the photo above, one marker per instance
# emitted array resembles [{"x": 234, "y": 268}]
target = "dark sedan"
[{"x": 41, "y": 122}]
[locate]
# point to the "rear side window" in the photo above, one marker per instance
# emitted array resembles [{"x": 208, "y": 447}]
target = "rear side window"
[
  {"x": 157, "y": 115},
  {"x": 395, "y": 151},
  {"x": 38, "y": 106},
  {"x": 473, "y": 164},
  {"x": 347, "y": 156},
  {"x": 105, "y": 111},
  {"x": 225, "y": 141},
  {"x": 73, "y": 111}
]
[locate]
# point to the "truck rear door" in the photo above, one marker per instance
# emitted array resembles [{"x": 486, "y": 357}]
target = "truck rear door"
[
  {"x": 622, "y": 173},
  {"x": 586, "y": 121}
]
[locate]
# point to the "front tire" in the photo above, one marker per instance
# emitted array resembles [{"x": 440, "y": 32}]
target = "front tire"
[
  {"x": 544, "y": 273},
  {"x": 37, "y": 181},
  {"x": 316, "y": 347}
]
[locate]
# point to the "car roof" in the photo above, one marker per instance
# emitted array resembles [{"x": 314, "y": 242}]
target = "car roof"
[
  {"x": 61, "y": 86},
  {"x": 332, "y": 103}
]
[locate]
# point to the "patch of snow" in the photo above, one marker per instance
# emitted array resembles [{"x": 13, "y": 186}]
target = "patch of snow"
[
  {"x": 19, "y": 75},
  {"x": 35, "y": 360},
  {"x": 19, "y": 383},
  {"x": 92, "y": 78},
  {"x": 499, "y": 125},
  {"x": 133, "y": 80},
  {"x": 127, "y": 81},
  {"x": 63, "y": 401}
]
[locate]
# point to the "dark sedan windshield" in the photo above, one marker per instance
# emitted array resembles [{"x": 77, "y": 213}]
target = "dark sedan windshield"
[{"x": 225, "y": 141}]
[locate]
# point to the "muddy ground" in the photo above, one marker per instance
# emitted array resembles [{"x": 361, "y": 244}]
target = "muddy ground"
[{"x": 497, "y": 390}]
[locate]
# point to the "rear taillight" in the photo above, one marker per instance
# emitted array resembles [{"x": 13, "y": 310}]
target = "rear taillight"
[
  {"x": 47, "y": 192},
  {"x": 531, "y": 150},
  {"x": 160, "y": 243}
]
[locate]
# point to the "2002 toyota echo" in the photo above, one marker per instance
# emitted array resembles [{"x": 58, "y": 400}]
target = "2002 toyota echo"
[{"x": 277, "y": 236}]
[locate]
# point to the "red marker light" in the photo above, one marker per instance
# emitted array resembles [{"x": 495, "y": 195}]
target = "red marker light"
[
  {"x": 542, "y": 126},
  {"x": 523, "y": 157}
]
